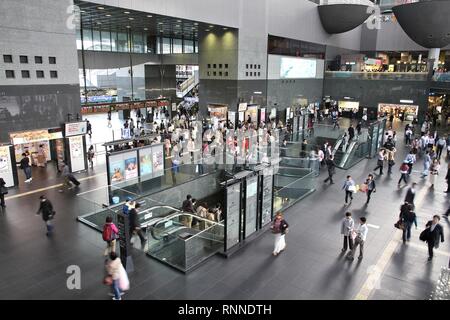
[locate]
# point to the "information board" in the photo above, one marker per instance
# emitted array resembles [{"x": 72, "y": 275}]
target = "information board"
[
  {"x": 6, "y": 169},
  {"x": 75, "y": 128},
  {"x": 76, "y": 149},
  {"x": 233, "y": 213},
  {"x": 158, "y": 160},
  {"x": 251, "y": 205},
  {"x": 145, "y": 163},
  {"x": 122, "y": 167},
  {"x": 267, "y": 195}
]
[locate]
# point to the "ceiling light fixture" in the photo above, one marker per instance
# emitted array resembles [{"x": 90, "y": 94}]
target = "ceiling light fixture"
[
  {"x": 160, "y": 23},
  {"x": 225, "y": 28},
  {"x": 207, "y": 30},
  {"x": 126, "y": 12},
  {"x": 145, "y": 29},
  {"x": 100, "y": 8},
  {"x": 130, "y": 18},
  {"x": 178, "y": 20},
  {"x": 149, "y": 16},
  {"x": 211, "y": 26},
  {"x": 108, "y": 15},
  {"x": 195, "y": 23},
  {"x": 128, "y": 27}
]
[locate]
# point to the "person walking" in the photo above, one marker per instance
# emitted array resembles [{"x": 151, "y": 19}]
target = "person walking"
[
  {"x": 411, "y": 194},
  {"x": 441, "y": 143},
  {"x": 279, "y": 229},
  {"x": 331, "y": 166},
  {"x": 110, "y": 234},
  {"x": 426, "y": 164},
  {"x": 391, "y": 159},
  {"x": 360, "y": 239},
  {"x": 410, "y": 160},
  {"x": 447, "y": 178},
  {"x": 349, "y": 187},
  {"x": 358, "y": 128},
  {"x": 351, "y": 133},
  {"x": 371, "y": 187},
  {"x": 117, "y": 276},
  {"x": 380, "y": 161},
  {"x": 404, "y": 168},
  {"x": 434, "y": 171},
  {"x": 408, "y": 136},
  {"x": 25, "y": 166},
  {"x": 432, "y": 234},
  {"x": 3, "y": 191},
  {"x": 347, "y": 226},
  {"x": 90, "y": 156},
  {"x": 89, "y": 129},
  {"x": 47, "y": 212},
  {"x": 135, "y": 225},
  {"x": 408, "y": 218}
]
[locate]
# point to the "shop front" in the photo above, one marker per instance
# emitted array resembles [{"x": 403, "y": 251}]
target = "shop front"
[
  {"x": 43, "y": 145},
  {"x": 348, "y": 109},
  {"x": 251, "y": 113},
  {"x": 217, "y": 113},
  {"x": 8, "y": 169},
  {"x": 402, "y": 112}
]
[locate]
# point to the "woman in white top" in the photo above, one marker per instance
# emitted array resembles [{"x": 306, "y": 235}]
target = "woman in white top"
[{"x": 434, "y": 171}]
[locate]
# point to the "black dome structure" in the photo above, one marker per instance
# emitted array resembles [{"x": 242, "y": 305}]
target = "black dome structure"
[
  {"x": 339, "y": 18},
  {"x": 427, "y": 23}
]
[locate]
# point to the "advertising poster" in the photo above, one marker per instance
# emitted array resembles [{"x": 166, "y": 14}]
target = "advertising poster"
[
  {"x": 131, "y": 169},
  {"x": 263, "y": 115},
  {"x": 6, "y": 171},
  {"x": 76, "y": 128},
  {"x": 145, "y": 163},
  {"x": 158, "y": 160},
  {"x": 295, "y": 68},
  {"x": 76, "y": 153},
  {"x": 116, "y": 169}
]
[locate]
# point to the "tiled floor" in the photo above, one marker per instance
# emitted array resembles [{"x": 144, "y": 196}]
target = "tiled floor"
[{"x": 34, "y": 266}]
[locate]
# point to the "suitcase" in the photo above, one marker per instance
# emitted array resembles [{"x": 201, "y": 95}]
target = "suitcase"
[{"x": 74, "y": 180}]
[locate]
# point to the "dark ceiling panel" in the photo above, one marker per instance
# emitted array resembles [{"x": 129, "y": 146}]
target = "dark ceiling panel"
[
  {"x": 339, "y": 18},
  {"x": 427, "y": 23}
]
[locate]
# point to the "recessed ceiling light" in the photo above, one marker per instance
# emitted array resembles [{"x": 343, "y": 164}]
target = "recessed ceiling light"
[
  {"x": 193, "y": 28},
  {"x": 207, "y": 30},
  {"x": 100, "y": 8},
  {"x": 211, "y": 26},
  {"x": 99, "y": 23},
  {"x": 177, "y": 26},
  {"x": 126, "y": 12},
  {"x": 195, "y": 23},
  {"x": 149, "y": 16},
  {"x": 128, "y": 27},
  {"x": 82, "y": 11},
  {"x": 108, "y": 15},
  {"x": 175, "y": 32},
  {"x": 161, "y": 31},
  {"x": 160, "y": 23},
  {"x": 130, "y": 18},
  {"x": 225, "y": 28},
  {"x": 145, "y": 29}
]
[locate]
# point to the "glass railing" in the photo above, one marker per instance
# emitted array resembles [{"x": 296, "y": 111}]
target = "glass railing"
[
  {"x": 291, "y": 185},
  {"x": 412, "y": 76},
  {"x": 441, "y": 77},
  {"x": 184, "y": 240}
]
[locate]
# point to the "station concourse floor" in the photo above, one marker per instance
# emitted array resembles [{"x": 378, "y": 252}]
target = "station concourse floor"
[{"x": 33, "y": 266}]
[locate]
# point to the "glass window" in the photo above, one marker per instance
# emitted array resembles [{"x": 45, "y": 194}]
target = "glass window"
[
  {"x": 114, "y": 41},
  {"x": 25, "y": 74},
  {"x": 87, "y": 39},
  {"x": 7, "y": 58},
  {"x": 23, "y": 59},
  {"x": 226, "y": 65},
  {"x": 166, "y": 46},
  {"x": 188, "y": 46},
  {"x": 196, "y": 46},
  {"x": 158, "y": 45},
  {"x": 53, "y": 74},
  {"x": 9, "y": 74},
  {"x": 226, "y": 73},
  {"x": 96, "y": 40},
  {"x": 122, "y": 44},
  {"x": 106, "y": 41},
  {"x": 52, "y": 60},
  {"x": 79, "y": 46},
  {"x": 138, "y": 43},
  {"x": 39, "y": 74},
  {"x": 38, "y": 59},
  {"x": 177, "y": 46}
]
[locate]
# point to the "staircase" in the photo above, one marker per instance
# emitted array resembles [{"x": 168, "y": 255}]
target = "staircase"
[{"x": 188, "y": 85}]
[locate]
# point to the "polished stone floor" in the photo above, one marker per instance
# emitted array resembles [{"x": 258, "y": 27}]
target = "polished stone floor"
[{"x": 33, "y": 266}]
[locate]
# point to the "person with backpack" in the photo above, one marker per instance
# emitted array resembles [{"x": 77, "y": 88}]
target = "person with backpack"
[
  {"x": 404, "y": 168},
  {"x": 432, "y": 234},
  {"x": 279, "y": 229},
  {"x": 110, "y": 234},
  {"x": 347, "y": 226},
  {"x": 46, "y": 209},
  {"x": 128, "y": 205},
  {"x": 408, "y": 218}
]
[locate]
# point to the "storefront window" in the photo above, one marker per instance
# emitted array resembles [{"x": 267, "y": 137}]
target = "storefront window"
[
  {"x": 96, "y": 40},
  {"x": 188, "y": 46},
  {"x": 166, "y": 46},
  {"x": 177, "y": 46},
  {"x": 138, "y": 43},
  {"x": 106, "y": 41},
  {"x": 122, "y": 44}
]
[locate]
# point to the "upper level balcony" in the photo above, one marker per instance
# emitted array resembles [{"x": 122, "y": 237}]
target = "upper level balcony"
[{"x": 404, "y": 76}]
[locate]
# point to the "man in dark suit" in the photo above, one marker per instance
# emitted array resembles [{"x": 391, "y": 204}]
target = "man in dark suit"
[
  {"x": 187, "y": 204},
  {"x": 435, "y": 233},
  {"x": 331, "y": 165},
  {"x": 351, "y": 133},
  {"x": 411, "y": 194}
]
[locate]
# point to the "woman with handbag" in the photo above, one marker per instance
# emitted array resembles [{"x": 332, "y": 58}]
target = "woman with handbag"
[
  {"x": 3, "y": 191},
  {"x": 279, "y": 229},
  {"x": 117, "y": 276},
  {"x": 46, "y": 209}
]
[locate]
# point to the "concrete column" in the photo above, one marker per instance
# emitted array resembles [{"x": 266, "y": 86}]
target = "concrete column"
[{"x": 433, "y": 53}]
